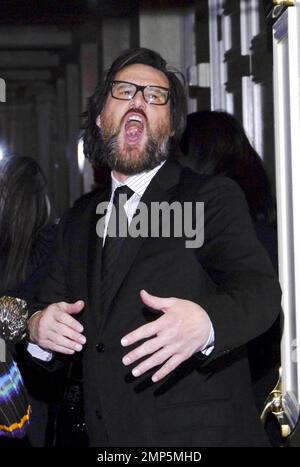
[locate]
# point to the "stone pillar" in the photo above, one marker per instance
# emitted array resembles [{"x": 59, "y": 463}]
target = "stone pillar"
[
  {"x": 89, "y": 79},
  {"x": 162, "y": 31},
  {"x": 45, "y": 114},
  {"x": 61, "y": 166},
  {"x": 168, "y": 32},
  {"x": 73, "y": 118},
  {"x": 115, "y": 38}
]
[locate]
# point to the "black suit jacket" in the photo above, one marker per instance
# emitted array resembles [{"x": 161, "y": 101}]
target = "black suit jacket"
[{"x": 206, "y": 401}]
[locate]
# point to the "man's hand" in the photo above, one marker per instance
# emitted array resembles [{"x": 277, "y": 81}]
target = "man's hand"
[
  {"x": 182, "y": 331},
  {"x": 55, "y": 329}
]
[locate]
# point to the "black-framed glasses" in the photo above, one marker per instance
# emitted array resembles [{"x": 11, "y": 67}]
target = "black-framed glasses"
[{"x": 125, "y": 91}]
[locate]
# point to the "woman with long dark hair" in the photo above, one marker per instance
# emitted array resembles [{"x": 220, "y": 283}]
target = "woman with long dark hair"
[
  {"x": 24, "y": 212},
  {"x": 26, "y": 239},
  {"x": 215, "y": 143}
]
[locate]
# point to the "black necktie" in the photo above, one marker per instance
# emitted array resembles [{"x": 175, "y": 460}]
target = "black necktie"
[{"x": 115, "y": 234}]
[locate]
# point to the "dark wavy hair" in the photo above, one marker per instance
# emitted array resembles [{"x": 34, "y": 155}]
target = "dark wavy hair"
[
  {"x": 215, "y": 143},
  {"x": 24, "y": 210},
  {"x": 92, "y": 141}
]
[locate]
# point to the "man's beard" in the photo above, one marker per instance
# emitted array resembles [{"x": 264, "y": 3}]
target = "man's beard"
[{"x": 127, "y": 162}]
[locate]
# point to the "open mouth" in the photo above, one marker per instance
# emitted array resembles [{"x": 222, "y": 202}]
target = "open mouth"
[{"x": 134, "y": 127}]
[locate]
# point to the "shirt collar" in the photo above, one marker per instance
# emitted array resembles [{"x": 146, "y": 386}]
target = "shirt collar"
[{"x": 139, "y": 182}]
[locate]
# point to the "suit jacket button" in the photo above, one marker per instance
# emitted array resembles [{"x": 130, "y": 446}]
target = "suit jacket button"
[{"x": 100, "y": 347}]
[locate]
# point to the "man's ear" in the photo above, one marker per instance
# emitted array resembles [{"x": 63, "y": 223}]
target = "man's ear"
[{"x": 98, "y": 121}]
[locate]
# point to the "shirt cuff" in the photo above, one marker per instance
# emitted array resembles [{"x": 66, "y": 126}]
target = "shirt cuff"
[
  {"x": 210, "y": 343},
  {"x": 37, "y": 352}
]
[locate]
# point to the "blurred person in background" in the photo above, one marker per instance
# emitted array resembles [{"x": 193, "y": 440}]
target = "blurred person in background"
[{"x": 215, "y": 143}]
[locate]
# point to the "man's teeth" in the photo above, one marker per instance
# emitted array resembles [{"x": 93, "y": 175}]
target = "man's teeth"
[{"x": 135, "y": 118}]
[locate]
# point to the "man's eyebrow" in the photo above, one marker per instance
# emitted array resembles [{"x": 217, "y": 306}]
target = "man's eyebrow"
[{"x": 136, "y": 84}]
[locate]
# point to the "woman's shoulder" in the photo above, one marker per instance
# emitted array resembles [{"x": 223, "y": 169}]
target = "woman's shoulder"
[
  {"x": 267, "y": 234},
  {"x": 42, "y": 247}
]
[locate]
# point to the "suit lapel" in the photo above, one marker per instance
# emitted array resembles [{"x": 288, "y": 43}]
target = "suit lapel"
[
  {"x": 95, "y": 258},
  {"x": 160, "y": 189}
]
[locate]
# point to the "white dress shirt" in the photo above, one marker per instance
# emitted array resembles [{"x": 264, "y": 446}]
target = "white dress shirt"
[{"x": 138, "y": 184}]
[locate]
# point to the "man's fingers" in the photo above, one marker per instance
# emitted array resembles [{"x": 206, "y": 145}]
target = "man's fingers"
[
  {"x": 143, "y": 332},
  {"x": 147, "y": 348},
  {"x": 49, "y": 345},
  {"x": 63, "y": 341},
  {"x": 168, "y": 367},
  {"x": 66, "y": 331},
  {"x": 157, "y": 303},
  {"x": 64, "y": 318},
  {"x": 157, "y": 359}
]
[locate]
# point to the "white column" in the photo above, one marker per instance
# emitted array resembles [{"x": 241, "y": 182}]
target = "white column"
[
  {"x": 251, "y": 92},
  {"x": 220, "y": 98},
  {"x": 287, "y": 138}
]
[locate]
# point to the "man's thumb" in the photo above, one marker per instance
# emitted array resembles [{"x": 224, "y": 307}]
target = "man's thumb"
[
  {"x": 157, "y": 303},
  {"x": 73, "y": 308}
]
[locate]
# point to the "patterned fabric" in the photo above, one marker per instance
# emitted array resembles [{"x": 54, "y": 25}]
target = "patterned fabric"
[
  {"x": 14, "y": 407},
  {"x": 13, "y": 318}
]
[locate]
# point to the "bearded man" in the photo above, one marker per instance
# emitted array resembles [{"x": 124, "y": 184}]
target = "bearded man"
[{"x": 162, "y": 328}]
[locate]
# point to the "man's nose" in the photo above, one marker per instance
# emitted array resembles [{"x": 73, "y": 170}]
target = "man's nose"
[{"x": 138, "y": 100}]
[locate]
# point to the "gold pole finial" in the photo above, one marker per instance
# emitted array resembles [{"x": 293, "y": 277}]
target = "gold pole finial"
[{"x": 284, "y": 2}]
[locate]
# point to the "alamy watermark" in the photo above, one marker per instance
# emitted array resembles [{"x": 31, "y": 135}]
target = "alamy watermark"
[
  {"x": 2, "y": 90},
  {"x": 161, "y": 219}
]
